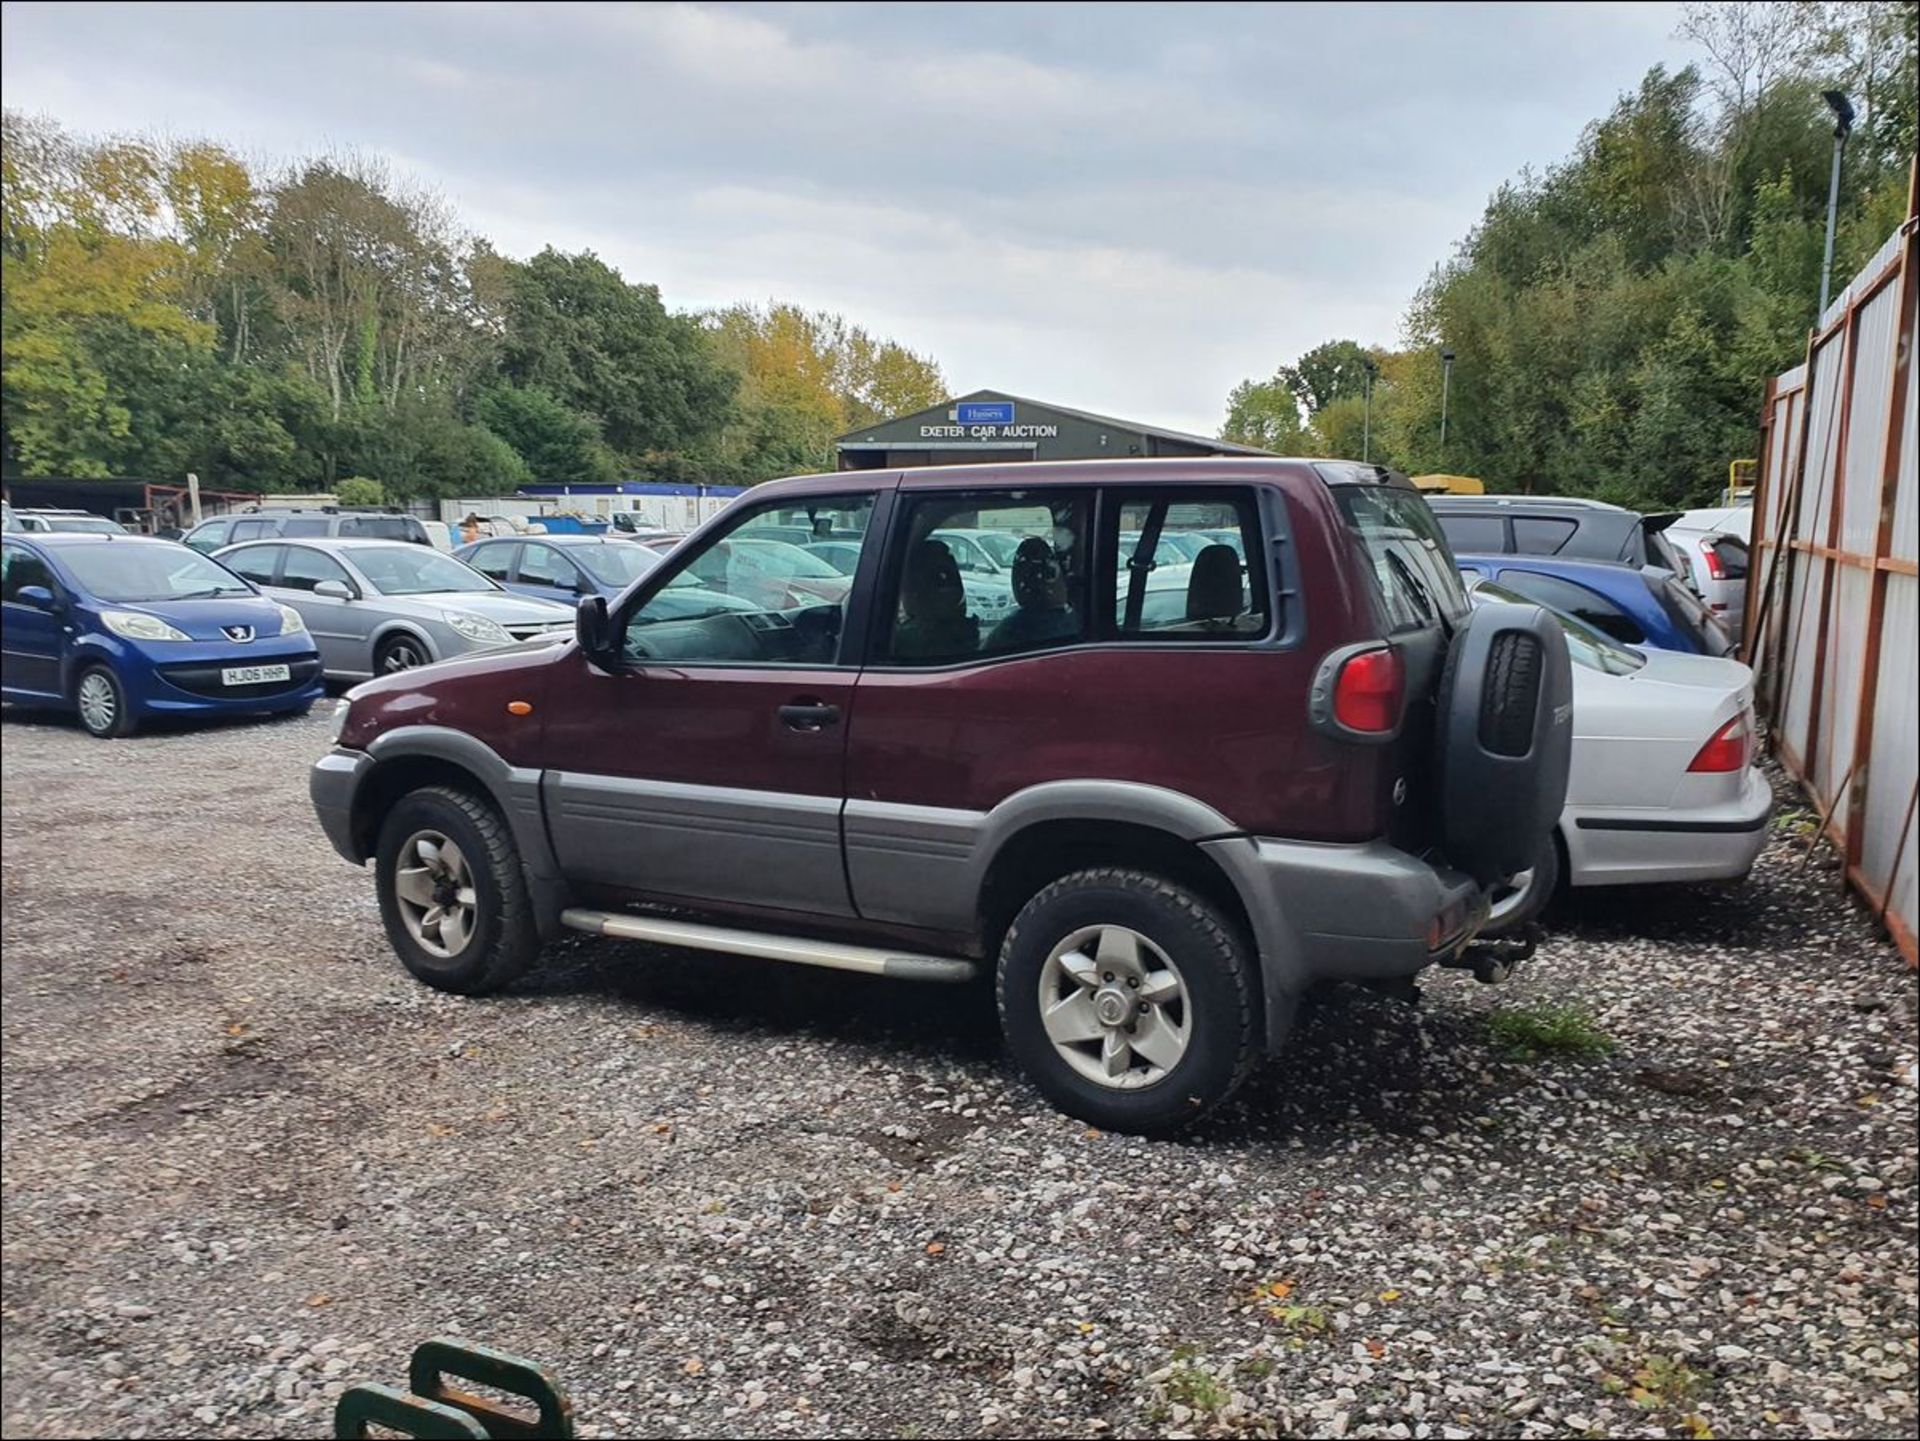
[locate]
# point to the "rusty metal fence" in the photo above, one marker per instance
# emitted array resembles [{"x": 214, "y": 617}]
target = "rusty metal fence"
[{"x": 1833, "y": 604}]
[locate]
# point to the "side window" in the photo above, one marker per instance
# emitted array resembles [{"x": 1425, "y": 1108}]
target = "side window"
[
  {"x": 304, "y": 525},
  {"x": 209, "y": 537},
  {"x": 22, "y": 568},
  {"x": 307, "y": 568},
  {"x": 1189, "y": 566},
  {"x": 1473, "y": 534},
  {"x": 939, "y": 613},
  {"x": 743, "y": 599},
  {"x": 543, "y": 565},
  {"x": 492, "y": 560},
  {"x": 1540, "y": 535},
  {"x": 252, "y": 530},
  {"x": 1578, "y": 601},
  {"x": 255, "y": 563}
]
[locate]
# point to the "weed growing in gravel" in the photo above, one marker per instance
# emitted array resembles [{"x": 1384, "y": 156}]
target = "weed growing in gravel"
[
  {"x": 1193, "y": 1386},
  {"x": 1525, "y": 1034}
]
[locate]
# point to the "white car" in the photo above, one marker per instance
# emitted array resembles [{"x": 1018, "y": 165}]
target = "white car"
[
  {"x": 1715, "y": 545},
  {"x": 1662, "y": 786}
]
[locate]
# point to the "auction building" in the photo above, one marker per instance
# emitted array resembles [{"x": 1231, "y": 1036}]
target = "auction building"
[{"x": 990, "y": 427}]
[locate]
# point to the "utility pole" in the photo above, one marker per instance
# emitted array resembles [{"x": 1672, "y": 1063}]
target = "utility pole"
[
  {"x": 1366, "y": 422},
  {"x": 1446, "y": 384},
  {"x": 1843, "y": 124}
]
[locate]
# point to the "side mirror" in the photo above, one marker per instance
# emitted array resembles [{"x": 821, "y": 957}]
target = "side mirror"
[
  {"x": 593, "y": 628},
  {"x": 333, "y": 590},
  {"x": 37, "y": 596}
]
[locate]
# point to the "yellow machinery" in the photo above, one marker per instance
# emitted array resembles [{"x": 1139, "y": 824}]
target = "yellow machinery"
[{"x": 1450, "y": 485}]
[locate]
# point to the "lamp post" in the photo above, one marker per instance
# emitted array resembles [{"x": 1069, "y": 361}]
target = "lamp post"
[
  {"x": 1366, "y": 421},
  {"x": 1446, "y": 384},
  {"x": 1843, "y": 124}
]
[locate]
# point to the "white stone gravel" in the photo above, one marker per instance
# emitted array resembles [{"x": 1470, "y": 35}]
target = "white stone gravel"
[{"x": 248, "y": 1162}]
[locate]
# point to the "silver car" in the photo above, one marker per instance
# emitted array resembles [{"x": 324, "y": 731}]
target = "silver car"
[{"x": 376, "y": 606}]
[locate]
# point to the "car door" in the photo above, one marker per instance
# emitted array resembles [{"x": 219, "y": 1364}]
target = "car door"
[
  {"x": 338, "y": 626},
  {"x": 545, "y": 573},
  {"x": 710, "y": 768},
  {"x": 30, "y": 636}
]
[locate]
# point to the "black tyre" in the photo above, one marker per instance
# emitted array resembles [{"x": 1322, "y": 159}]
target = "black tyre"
[
  {"x": 1128, "y": 1000},
  {"x": 1525, "y": 897},
  {"x": 400, "y": 652},
  {"x": 452, "y": 894},
  {"x": 102, "y": 703}
]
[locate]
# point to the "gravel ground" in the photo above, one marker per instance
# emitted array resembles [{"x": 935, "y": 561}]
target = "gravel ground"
[{"x": 247, "y": 1161}]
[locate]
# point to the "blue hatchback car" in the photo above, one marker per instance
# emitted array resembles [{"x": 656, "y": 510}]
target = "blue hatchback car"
[
  {"x": 1635, "y": 606},
  {"x": 123, "y": 627}
]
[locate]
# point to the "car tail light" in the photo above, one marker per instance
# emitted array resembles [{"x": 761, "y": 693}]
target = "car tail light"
[
  {"x": 1367, "y": 692},
  {"x": 1727, "y": 751},
  {"x": 1715, "y": 570}
]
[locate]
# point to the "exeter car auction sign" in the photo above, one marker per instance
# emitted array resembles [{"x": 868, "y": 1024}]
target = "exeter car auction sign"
[{"x": 987, "y": 420}]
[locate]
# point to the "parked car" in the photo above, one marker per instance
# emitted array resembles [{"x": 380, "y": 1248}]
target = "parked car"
[
  {"x": 1567, "y": 527},
  {"x": 1647, "y": 606},
  {"x": 47, "y": 519},
  {"x": 121, "y": 628},
  {"x": 1716, "y": 542},
  {"x": 1156, "y": 834},
  {"x": 1663, "y": 785},
  {"x": 212, "y": 535},
  {"x": 378, "y": 606},
  {"x": 565, "y": 567}
]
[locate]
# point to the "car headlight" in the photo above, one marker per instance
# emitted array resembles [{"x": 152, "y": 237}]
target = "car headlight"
[
  {"x": 340, "y": 709},
  {"x": 477, "y": 628},
  {"x": 138, "y": 625},
  {"x": 290, "y": 621}
]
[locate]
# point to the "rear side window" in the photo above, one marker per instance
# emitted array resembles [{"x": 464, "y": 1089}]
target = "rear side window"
[
  {"x": 253, "y": 530},
  {"x": 1475, "y": 534},
  {"x": 1583, "y": 604},
  {"x": 304, "y": 525},
  {"x": 1540, "y": 535},
  {"x": 255, "y": 563},
  {"x": 939, "y": 614},
  {"x": 1188, "y": 567},
  {"x": 380, "y": 527},
  {"x": 307, "y": 568},
  {"x": 1413, "y": 572}
]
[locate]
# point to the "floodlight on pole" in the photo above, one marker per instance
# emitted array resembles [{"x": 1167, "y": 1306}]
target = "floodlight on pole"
[{"x": 1842, "y": 126}]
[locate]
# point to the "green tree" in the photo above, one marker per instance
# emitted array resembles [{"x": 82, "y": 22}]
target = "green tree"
[
  {"x": 556, "y": 443},
  {"x": 358, "y": 490}
]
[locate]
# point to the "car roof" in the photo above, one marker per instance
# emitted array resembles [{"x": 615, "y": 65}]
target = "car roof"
[
  {"x": 331, "y": 542},
  {"x": 569, "y": 538},
  {"x": 64, "y": 539},
  {"x": 1023, "y": 474},
  {"x": 1595, "y": 570},
  {"x": 1541, "y": 503}
]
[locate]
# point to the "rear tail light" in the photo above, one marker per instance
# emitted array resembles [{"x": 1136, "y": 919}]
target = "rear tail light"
[
  {"x": 1367, "y": 692},
  {"x": 1715, "y": 569},
  {"x": 1727, "y": 751}
]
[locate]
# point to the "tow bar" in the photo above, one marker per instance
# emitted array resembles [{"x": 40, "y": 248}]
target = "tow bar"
[
  {"x": 437, "y": 1412},
  {"x": 1496, "y": 960}
]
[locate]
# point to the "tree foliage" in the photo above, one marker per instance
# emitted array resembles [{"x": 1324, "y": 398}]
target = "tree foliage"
[
  {"x": 1615, "y": 319},
  {"x": 167, "y": 307}
]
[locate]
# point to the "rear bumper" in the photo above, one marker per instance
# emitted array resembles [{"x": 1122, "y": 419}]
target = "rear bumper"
[
  {"x": 1351, "y": 912},
  {"x": 1613, "y": 847},
  {"x": 332, "y": 784}
]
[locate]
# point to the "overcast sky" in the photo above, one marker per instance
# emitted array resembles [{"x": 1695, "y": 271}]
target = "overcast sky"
[{"x": 1126, "y": 208}]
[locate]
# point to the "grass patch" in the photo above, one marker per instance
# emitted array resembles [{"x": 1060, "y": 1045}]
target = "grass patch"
[{"x": 1547, "y": 1030}]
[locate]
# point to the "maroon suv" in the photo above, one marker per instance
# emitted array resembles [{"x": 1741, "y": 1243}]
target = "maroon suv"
[{"x": 1163, "y": 742}]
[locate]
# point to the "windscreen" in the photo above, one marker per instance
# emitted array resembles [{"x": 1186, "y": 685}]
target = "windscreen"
[
  {"x": 615, "y": 562},
  {"x": 149, "y": 572},
  {"x": 415, "y": 570}
]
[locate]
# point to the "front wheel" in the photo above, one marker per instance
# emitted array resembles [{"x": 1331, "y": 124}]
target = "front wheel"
[
  {"x": 1128, "y": 1000},
  {"x": 452, "y": 894},
  {"x": 398, "y": 653},
  {"x": 102, "y": 703}
]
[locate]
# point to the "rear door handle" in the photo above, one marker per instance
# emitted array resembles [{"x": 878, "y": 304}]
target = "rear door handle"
[{"x": 809, "y": 716}]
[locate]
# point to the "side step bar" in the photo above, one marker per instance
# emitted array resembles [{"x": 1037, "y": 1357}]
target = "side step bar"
[{"x": 901, "y": 965}]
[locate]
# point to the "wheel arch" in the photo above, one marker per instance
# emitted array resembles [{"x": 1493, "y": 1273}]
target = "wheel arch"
[{"x": 387, "y": 630}]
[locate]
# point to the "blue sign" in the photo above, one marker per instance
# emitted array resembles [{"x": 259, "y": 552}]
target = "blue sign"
[{"x": 986, "y": 412}]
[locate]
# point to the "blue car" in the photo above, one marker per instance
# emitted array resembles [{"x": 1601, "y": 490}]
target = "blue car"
[
  {"x": 1635, "y": 606},
  {"x": 122, "y": 627}
]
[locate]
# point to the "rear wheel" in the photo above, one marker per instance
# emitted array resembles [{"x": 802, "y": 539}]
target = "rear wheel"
[
  {"x": 399, "y": 652},
  {"x": 1128, "y": 1000},
  {"x": 452, "y": 894},
  {"x": 102, "y": 703}
]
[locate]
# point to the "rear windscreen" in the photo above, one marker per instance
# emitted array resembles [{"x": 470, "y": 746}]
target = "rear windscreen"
[{"x": 1411, "y": 565}]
